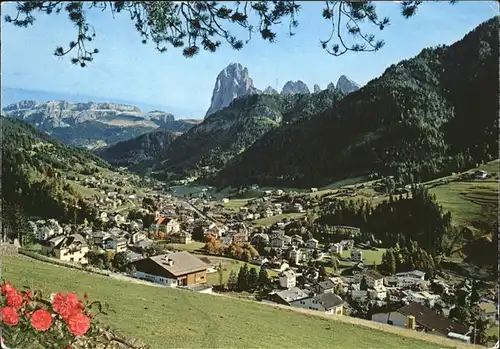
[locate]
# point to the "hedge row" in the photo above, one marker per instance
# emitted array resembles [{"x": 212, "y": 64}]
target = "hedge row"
[{"x": 60, "y": 263}]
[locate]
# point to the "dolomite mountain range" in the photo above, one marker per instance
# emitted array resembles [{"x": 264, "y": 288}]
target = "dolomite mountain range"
[{"x": 234, "y": 81}]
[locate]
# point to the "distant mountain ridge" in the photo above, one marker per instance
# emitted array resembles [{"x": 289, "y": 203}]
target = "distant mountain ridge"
[
  {"x": 12, "y": 95},
  {"x": 93, "y": 124}
]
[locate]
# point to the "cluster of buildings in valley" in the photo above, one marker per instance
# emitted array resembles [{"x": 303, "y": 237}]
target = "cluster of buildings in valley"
[{"x": 405, "y": 299}]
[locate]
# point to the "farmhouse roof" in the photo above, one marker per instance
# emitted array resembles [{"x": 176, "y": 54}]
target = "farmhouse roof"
[
  {"x": 183, "y": 263},
  {"x": 428, "y": 318}
]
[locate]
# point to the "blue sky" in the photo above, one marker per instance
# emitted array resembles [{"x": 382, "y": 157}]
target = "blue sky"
[{"x": 126, "y": 70}]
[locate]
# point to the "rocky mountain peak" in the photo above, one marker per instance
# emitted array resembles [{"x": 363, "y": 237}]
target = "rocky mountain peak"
[
  {"x": 293, "y": 87},
  {"x": 270, "y": 91},
  {"x": 330, "y": 86},
  {"x": 232, "y": 82},
  {"x": 316, "y": 88},
  {"x": 346, "y": 85}
]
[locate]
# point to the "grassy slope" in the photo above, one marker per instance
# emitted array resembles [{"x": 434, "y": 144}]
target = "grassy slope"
[
  {"x": 466, "y": 199},
  {"x": 167, "y": 318}
]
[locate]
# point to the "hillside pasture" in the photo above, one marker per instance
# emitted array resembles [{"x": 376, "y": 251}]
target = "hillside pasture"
[{"x": 171, "y": 318}]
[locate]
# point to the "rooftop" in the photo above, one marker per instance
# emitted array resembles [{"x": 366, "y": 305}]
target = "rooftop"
[
  {"x": 328, "y": 300},
  {"x": 428, "y": 318},
  {"x": 374, "y": 274},
  {"x": 183, "y": 263},
  {"x": 292, "y": 294}
]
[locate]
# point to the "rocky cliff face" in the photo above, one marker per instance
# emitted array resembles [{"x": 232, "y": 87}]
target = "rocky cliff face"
[
  {"x": 330, "y": 86},
  {"x": 293, "y": 87},
  {"x": 316, "y": 88},
  {"x": 232, "y": 82},
  {"x": 346, "y": 85}
]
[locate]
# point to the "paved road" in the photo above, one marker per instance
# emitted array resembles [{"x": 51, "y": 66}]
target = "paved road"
[{"x": 193, "y": 208}]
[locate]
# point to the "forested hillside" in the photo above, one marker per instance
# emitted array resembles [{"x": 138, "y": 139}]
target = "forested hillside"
[
  {"x": 33, "y": 183},
  {"x": 207, "y": 147},
  {"x": 429, "y": 115},
  {"x": 140, "y": 149}
]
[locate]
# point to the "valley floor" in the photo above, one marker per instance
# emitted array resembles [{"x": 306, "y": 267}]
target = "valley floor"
[{"x": 169, "y": 318}]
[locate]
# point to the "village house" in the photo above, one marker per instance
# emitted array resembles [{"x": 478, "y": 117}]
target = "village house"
[
  {"x": 288, "y": 296},
  {"x": 359, "y": 295},
  {"x": 118, "y": 219},
  {"x": 142, "y": 245},
  {"x": 397, "y": 296},
  {"x": 276, "y": 241},
  {"x": 489, "y": 310},
  {"x": 424, "y": 298},
  {"x": 336, "y": 248},
  {"x": 287, "y": 278},
  {"x": 297, "y": 240},
  {"x": 298, "y": 208},
  {"x": 312, "y": 244},
  {"x": 373, "y": 278},
  {"x": 165, "y": 225},
  {"x": 417, "y": 317},
  {"x": 378, "y": 292},
  {"x": 417, "y": 274},
  {"x": 116, "y": 244},
  {"x": 103, "y": 216},
  {"x": 296, "y": 256},
  {"x": 136, "y": 224},
  {"x": 45, "y": 229},
  {"x": 407, "y": 279},
  {"x": 48, "y": 245},
  {"x": 240, "y": 237},
  {"x": 137, "y": 236},
  {"x": 328, "y": 303},
  {"x": 326, "y": 286},
  {"x": 98, "y": 237},
  {"x": 281, "y": 266},
  {"x": 173, "y": 270},
  {"x": 356, "y": 255},
  {"x": 260, "y": 239},
  {"x": 183, "y": 237},
  {"x": 71, "y": 248}
]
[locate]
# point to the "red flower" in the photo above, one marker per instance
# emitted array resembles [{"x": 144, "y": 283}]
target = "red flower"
[
  {"x": 41, "y": 320},
  {"x": 78, "y": 324},
  {"x": 66, "y": 305},
  {"x": 15, "y": 299},
  {"x": 9, "y": 316},
  {"x": 7, "y": 287}
]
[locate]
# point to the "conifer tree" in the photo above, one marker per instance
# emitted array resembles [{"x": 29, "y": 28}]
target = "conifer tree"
[
  {"x": 242, "y": 278},
  {"x": 252, "y": 279},
  {"x": 232, "y": 281}
]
